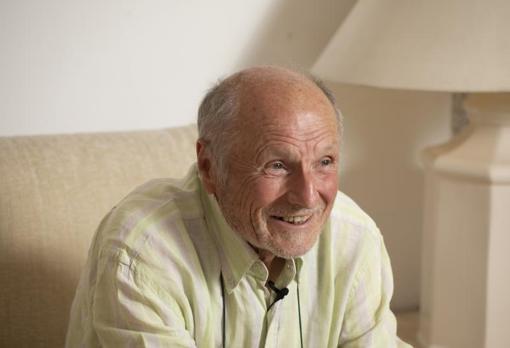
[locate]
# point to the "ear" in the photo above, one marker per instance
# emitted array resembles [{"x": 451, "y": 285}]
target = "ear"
[{"x": 205, "y": 167}]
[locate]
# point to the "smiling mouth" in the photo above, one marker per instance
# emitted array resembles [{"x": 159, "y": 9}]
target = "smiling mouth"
[{"x": 293, "y": 220}]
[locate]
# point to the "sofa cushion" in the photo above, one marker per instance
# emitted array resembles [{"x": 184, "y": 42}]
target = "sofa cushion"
[{"x": 54, "y": 190}]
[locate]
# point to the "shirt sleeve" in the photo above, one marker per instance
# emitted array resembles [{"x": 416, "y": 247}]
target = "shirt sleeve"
[
  {"x": 129, "y": 312},
  {"x": 369, "y": 321}
]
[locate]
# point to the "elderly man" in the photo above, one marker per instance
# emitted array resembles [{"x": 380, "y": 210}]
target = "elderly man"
[{"x": 253, "y": 248}]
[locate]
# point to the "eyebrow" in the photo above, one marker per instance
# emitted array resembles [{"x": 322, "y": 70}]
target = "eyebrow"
[{"x": 282, "y": 151}]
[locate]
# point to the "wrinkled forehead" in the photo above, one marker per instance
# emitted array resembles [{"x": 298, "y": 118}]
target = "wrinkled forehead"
[{"x": 283, "y": 103}]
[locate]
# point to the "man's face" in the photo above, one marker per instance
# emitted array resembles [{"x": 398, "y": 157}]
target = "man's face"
[{"x": 282, "y": 171}]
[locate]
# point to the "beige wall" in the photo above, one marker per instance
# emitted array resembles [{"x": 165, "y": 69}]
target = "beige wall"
[
  {"x": 76, "y": 66},
  {"x": 384, "y": 132}
]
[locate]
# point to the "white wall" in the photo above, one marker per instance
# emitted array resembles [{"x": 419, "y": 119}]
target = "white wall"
[
  {"x": 73, "y": 66},
  {"x": 78, "y": 66}
]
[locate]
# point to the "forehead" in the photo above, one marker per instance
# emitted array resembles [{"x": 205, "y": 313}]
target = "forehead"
[{"x": 288, "y": 106}]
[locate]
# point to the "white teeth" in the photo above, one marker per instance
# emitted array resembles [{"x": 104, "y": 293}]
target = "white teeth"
[{"x": 295, "y": 219}]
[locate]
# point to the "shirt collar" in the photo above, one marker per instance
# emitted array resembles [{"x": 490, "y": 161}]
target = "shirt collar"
[{"x": 237, "y": 257}]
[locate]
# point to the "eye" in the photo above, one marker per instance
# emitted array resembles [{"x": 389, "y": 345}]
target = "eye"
[
  {"x": 276, "y": 168},
  {"x": 277, "y": 165},
  {"x": 326, "y": 161}
]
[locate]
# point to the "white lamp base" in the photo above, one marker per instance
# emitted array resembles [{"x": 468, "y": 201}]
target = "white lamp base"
[{"x": 465, "y": 290}]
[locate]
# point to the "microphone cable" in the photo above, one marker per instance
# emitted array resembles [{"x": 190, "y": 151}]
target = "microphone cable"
[{"x": 280, "y": 294}]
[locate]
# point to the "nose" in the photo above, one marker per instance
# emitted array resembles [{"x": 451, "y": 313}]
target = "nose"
[{"x": 302, "y": 189}]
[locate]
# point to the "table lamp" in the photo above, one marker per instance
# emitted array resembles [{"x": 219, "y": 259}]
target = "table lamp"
[{"x": 456, "y": 46}]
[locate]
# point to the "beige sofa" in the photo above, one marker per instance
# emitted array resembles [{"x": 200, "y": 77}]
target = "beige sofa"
[{"x": 53, "y": 192}]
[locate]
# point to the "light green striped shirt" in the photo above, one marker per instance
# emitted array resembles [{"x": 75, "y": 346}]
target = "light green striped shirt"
[{"x": 153, "y": 280}]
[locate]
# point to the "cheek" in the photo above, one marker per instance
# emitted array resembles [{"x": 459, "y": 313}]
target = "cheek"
[
  {"x": 329, "y": 187},
  {"x": 241, "y": 191},
  {"x": 265, "y": 192}
]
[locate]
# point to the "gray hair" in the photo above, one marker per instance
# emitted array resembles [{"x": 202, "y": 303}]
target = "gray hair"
[
  {"x": 331, "y": 97},
  {"x": 219, "y": 108}
]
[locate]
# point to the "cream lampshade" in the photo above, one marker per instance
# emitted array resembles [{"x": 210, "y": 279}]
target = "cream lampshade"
[
  {"x": 437, "y": 45},
  {"x": 450, "y": 46}
]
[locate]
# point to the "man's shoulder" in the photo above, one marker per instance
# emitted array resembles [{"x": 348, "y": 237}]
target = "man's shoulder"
[
  {"x": 350, "y": 243},
  {"x": 165, "y": 194},
  {"x": 351, "y": 232},
  {"x": 155, "y": 210},
  {"x": 346, "y": 211},
  {"x": 159, "y": 193}
]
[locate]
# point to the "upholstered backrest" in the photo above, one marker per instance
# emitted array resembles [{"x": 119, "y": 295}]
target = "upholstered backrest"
[{"x": 54, "y": 190}]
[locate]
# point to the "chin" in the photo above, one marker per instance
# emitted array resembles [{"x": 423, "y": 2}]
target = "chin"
[
  {"x": 296, "y": 250},
  {"x": 286, "y": 241}
]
